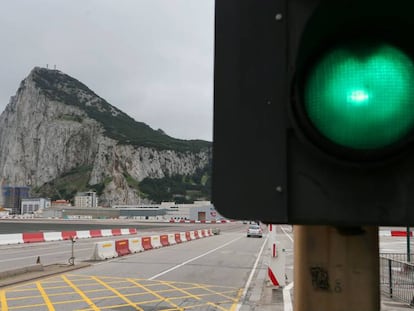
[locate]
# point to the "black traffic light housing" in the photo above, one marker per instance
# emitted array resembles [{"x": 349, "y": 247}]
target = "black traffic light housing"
[{"x": 269, "y": 161}]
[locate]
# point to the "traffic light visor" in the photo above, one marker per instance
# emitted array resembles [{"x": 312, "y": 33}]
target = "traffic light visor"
[{"x": 361, "y": 96}]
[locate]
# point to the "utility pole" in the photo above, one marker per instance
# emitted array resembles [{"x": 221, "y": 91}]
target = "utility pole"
[{"x": 336, "y": 269}]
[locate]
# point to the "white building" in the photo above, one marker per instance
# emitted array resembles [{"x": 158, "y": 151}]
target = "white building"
[
  {"x": 86, "y": 199},
  {"x": 32, "y": 205},
  {"x": 199, "y": 210}
]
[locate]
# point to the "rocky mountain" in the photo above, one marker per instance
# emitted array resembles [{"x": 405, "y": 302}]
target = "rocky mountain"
[{"x": 59, "y": 137}]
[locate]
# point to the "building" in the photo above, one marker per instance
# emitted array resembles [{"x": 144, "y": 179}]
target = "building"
[
  {"x": 12, "y": 196},
  {"x": 199, "y": 210},
  {"x": 33, "y": 205},
  {"x": 86, "y": 199},
  {"x": 61, "y": 203}
]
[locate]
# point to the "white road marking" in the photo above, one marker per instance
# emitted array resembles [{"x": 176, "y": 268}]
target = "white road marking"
[
  {"x": 284, "y": 231},
  {"x": 192, "y": 259},
  {"x": 287, "y": 301},
  {"x": 246, "y": 287}
]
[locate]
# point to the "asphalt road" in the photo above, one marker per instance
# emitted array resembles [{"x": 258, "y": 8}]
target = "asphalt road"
[
  {"x": 16, "y": 256},
  {"x": 205, "y": 274}
]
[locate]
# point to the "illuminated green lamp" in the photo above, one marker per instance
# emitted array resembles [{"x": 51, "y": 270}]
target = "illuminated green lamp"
[{"x": 362, "y": 97}]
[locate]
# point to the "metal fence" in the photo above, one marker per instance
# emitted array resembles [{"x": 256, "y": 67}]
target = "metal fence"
[{"x": 397, "y": 277}]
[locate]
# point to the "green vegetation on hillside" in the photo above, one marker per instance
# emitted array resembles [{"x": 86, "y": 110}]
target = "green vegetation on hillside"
[
  {"x": 67, "y": 185},
  {"x": 178, "y": 188},
  {"x": 118, "y": 125}
]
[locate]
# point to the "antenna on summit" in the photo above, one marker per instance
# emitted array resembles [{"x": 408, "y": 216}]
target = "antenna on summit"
[
  {"x": 47, "y": 66},
  {"x": 54, "y": 67}
]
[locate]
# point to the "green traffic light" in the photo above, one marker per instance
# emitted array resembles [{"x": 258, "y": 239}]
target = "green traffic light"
[{"x": 362, "y": 97}]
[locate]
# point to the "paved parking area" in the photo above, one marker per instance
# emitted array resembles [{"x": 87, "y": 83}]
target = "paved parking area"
[{"x": 80, "y": 292}]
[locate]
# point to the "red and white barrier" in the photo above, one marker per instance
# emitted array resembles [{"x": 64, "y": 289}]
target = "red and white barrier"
[
  {"x": 83, "y": 234},
  {"x": 135, "y": 245},
  {"x": 394, "y": 233},
  {"x": 12, "y": 238},
  {"x": 35, "y": 237},
  {"x": 106, "y": 232},
  {"x": 95, "y": 233},
  {"x": 181, "y": 221},
  {"x": 277, "y": 262},
  {"x": 183, "y": 237},
  {"x": 156, "y": 241},
  {"x": 53, "y": 236},
  {"x": 177, "y": 237},
  {"x": 116, "y": 232},
  {"x": 122, "y": 247},
  {"x": 69, "y": 235},
  {"x": 146, "y": 243},
  {"x": 200, "y": 233},
  {"x": 112, "y": 249},
  {"x": 104, "y": 250},
  {"x": 171, "y": 239},
  {"x": 164, "y": 240}
]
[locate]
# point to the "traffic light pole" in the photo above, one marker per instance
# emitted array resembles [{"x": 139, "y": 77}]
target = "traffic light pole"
[{"x": 336, "y": 269}]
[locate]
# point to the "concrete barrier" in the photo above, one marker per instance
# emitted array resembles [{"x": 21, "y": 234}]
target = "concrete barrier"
[
  {"x": 122, "y": 247},
  {"x": 11, "y": 238},
  {"x": 183, "y": 237},
  {"x": 155, "y": 241},
  {"x": 106, "y": 232},
  {"x": 193, "y": 235},
  {"x": 104, "y": 250},
  {"x": 53, "y": 236},
  {"x": 171, "y": 239},
  {"x": 164, "y": 240},
  {"x": 200, "y": 233},
  {"x": 125, "y": 232},
  {"x": 83, "y": 234},
  {"x": 33, "y": 237},
  {"x": 177, "y": 237},
  {"x": 132, "y": 231},
  {"x": 188, "y": 236},
  {"x": 68, "y": 235},
  {"x": 135, "y": 245},
  {"x": 116, "y": 232},
  {"x": 146, "y": 243},
  {"x": 95, "y": 233}
]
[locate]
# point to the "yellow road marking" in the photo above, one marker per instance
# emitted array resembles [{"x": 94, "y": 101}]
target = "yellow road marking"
[
  {"x": 233, "y": 307},
  {"x": 3, "y": 301},
  {"x": 156, "y": 294},
  {"x": 84, "y": 297},
  {"x": 169, "y": 284},
  {"x": 216, "y": 306},
  {"x": 213, "y": 292},
  {"x": 45, "y": 297},
  {"x": 224, "y": 298},
  {"x": 131, "y": 303}
]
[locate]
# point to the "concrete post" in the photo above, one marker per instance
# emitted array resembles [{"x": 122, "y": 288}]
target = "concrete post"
[{"x": 336, "y": 269}]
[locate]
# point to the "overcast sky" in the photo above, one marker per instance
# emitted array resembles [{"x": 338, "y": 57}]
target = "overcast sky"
[{"x": 153, "y": 59}]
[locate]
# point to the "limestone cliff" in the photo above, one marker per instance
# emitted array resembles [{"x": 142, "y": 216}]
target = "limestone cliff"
[{"x": 56, "y": 126}]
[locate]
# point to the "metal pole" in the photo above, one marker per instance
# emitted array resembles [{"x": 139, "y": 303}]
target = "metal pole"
[
  {"x": 390, "y": 275},
  {"x": 408, "y": 245}
]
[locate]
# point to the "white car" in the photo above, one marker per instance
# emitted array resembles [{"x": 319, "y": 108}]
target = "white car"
[{"x": 254, "y": 230}]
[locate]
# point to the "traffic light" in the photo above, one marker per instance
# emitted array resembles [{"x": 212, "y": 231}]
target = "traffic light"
[{"x": 314, "y": 111}]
